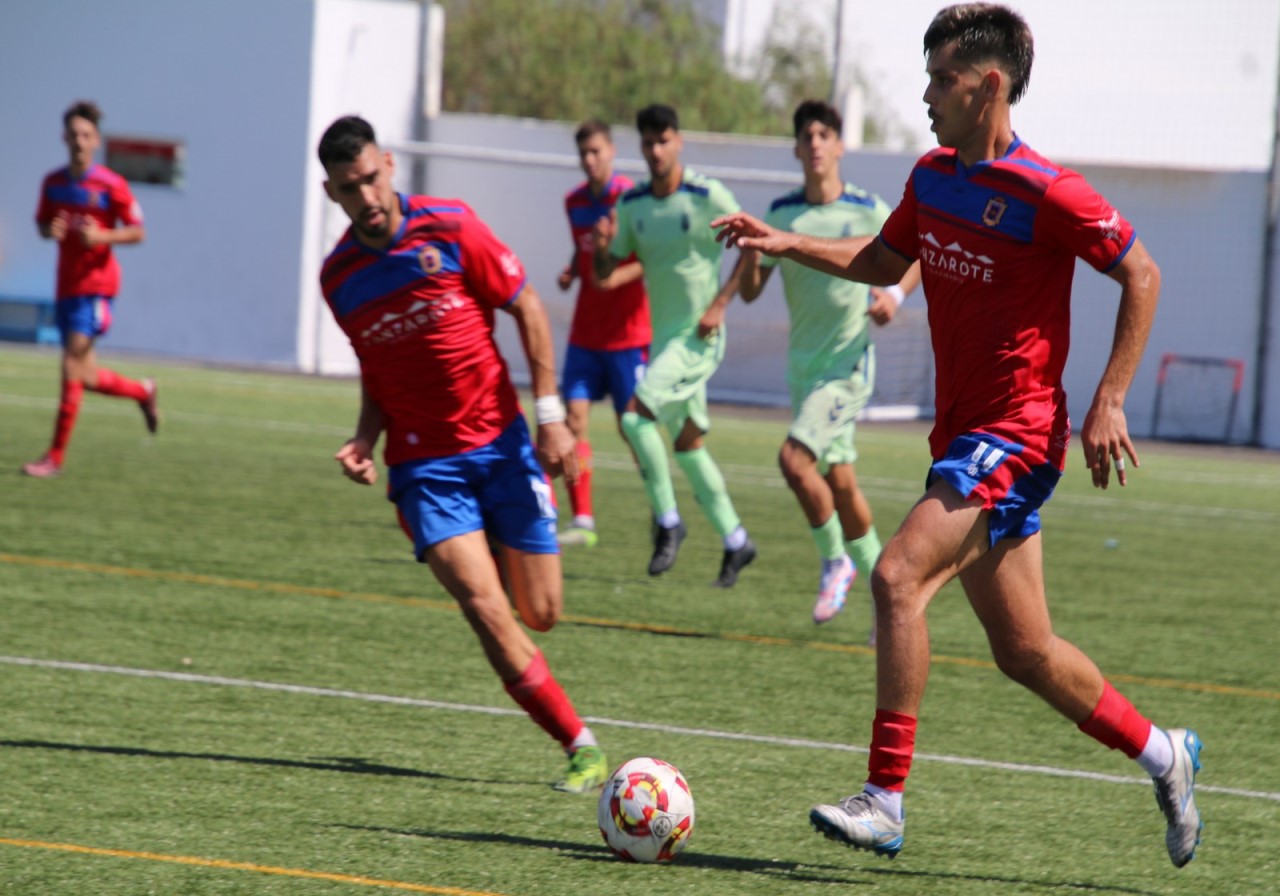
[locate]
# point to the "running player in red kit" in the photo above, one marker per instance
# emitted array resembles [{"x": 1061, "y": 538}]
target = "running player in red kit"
[
  {"x": 997, "y": 229},
  {"x": 87, "y": 208},
  {"x": 610, "y": 333},
  {"x": 414, "y": 283}
]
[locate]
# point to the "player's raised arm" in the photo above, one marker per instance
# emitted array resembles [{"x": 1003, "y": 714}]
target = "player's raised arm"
[{"x": 861, "y": 258}]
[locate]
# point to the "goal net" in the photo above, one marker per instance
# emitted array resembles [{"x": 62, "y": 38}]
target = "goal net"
[{"x": 1196, "y": 398}]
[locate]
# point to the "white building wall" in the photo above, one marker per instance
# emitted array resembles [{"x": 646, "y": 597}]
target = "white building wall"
[{"x": 228, "y": 270}]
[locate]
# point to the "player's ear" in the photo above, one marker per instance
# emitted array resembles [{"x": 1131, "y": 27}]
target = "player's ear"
[{"x": 390, "y": 161}]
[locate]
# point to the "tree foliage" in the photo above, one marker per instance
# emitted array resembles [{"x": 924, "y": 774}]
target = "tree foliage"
[{"x": 572, "y": 59}]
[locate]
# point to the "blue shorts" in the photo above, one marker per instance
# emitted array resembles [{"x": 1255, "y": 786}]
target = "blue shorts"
[
  {"x": 981, "y": 466},
  {"x": 499, "y": 488},
  {"x": 90, "y": 315},
  {"x": 591, "y": 374}
]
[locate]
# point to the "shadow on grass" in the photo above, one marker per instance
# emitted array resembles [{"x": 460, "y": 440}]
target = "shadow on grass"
[
  {"x": 346, "y": 764},
  {"x": 798, "y": 872}
]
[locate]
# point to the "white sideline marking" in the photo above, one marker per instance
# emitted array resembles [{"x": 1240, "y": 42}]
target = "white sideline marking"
[{"x": 801, "y": 743}]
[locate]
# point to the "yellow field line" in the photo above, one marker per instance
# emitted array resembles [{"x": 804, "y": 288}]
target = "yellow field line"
[
  {"x": 246, "y": 866},
  {"x": 599, "y": 622}
]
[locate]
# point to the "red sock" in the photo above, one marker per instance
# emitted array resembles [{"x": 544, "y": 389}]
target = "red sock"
[
  {"x": 893, "y": 740},
  {"x": 580, "y": 491},
  {"x": 540, "y": 695},
  {"x": 112, "y": 383},
  {"x": 1116, "y": 724},
  {"x": 68, "y": 410}
]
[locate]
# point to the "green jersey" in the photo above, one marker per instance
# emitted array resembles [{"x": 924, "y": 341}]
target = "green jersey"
[
  {"x": 829, "y": 325},
  {"x": 673, "y": 239}
]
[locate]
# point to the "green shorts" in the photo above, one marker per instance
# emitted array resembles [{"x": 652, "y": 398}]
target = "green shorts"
[
  {"x": 674, "y": 387},
  {"x": 825, "y": 409}
]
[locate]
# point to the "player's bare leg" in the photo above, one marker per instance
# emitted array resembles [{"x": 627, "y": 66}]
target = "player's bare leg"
[
  {"x": 465, "y": 566},
  {"x": 800, "y": 470},
  {"x": 582, "y": 529}
]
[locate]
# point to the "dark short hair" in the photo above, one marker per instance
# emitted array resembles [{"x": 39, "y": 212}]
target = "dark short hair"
[
  {"x": 590, "y": 128},
  {"x": 657, "y": 118},
  {"x": 816, "y": 110},
  {"x": 345, "y": 139},
  {"x": 85, "y": 109},
  {"x": 986, "y": 32}
]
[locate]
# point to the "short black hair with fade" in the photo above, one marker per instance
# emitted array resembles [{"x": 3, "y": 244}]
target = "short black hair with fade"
[
  {"x": 85, "y": 109},
  {"x": 344, "y": 140},
  {"x": 656, "y": 118},
  {"x": 590, "y": 128},
  {"x": 819, "y": 111},
  {"x": 986, "y": 32}
]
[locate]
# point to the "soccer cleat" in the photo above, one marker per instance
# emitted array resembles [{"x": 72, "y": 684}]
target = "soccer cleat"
[
  {"x": 577, "y": 536},
  {"x": 587, "y": 771},
  {"x": 837, "y": 576},
  {"x": 44, "y": 468},
  {"x": 733, "y": 563},
  {"x": 148, "y": 406},
  {"x": 859, "y": 821},
  {"x": 666, "y": 544},
  {"x": 1175, "y": 794}
]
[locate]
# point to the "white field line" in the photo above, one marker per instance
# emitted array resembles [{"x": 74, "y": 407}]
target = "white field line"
[{"x": 770, "y": 740}]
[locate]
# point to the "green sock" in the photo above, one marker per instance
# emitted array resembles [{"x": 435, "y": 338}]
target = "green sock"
[
  {"x": 865, "y": 551},
  {"x": 651, "y": 453},
  {"x": 709, "y": 489},
  {"x": 830, "y": 538}
]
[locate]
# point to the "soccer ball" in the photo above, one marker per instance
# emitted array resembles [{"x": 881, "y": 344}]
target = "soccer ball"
[{"x": 646, "y": 811}]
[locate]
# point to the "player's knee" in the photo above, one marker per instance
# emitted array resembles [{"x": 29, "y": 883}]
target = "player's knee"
[
  {"x": 540, "y": 609},
  {"x": 1022, "y": 661}
]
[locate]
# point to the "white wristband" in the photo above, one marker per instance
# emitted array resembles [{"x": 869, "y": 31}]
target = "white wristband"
[
  {"x": 896, "y": 292},
  {"x": 548, "y": 409}
]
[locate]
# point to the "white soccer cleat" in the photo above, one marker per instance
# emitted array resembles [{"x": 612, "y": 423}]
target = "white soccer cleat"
[
  {"x": 861, "y": 822},
  {"x": 837, "y": 577},
  {"x": 1175, "y": 794}
]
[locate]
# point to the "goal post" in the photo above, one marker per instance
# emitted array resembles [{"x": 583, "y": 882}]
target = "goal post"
[{"x": 1196, "y": 398}]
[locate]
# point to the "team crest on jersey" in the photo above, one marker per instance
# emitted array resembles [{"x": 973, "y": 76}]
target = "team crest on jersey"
[
  {"x": 996, "y": 207},
  {"x": 429, "y": 260}
]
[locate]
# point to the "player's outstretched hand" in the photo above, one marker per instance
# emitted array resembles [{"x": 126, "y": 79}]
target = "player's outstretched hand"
[
  {"x": 745, "y": 232},
  {"x": 557, "y": 451},
  {"x": 356, "y": 458}
]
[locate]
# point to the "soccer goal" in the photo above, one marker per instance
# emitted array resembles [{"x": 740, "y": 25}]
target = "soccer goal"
[{"x": 1196, "y": 398}]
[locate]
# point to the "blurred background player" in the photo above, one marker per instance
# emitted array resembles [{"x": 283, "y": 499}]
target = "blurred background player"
[
  {"x": 610, "y": 333},
  {"x": 462, "y": 468},
  {"x": 665, "y": 222},
  {"x": 997, "y": 229},
  {"x": 830, "y": 359},
  {"x": 87, "y": 208}
]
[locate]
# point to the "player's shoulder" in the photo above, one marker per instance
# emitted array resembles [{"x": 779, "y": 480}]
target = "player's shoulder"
[
  {"x": 419, "y": 205},
  {"x": 1026, "y": 168},
  {"x": 579, "y": 195},
  {"x": 60, "y": 175},
  {"x": 695, "y": 183},
  {"x": 856, "y": 196},
  {"x": 789, "y": 200},
  {"x": 637, "y": 192}
]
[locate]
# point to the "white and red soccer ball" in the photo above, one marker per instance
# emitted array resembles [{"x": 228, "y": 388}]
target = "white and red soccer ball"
[{"x": 646, "y": 811}]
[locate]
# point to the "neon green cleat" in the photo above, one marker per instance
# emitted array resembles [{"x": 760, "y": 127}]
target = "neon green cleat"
[
  {"x": 586, "y": 773},
  {"x": 578, "y": 536}
]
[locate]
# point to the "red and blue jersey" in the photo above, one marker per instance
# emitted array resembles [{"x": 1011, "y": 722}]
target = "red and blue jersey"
[
  {"x": 420, "y": 316},
  {"x": 603, "y": 319},
  {"x": 102, "y": 195},
  {"x": 997, "y": 245}
]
